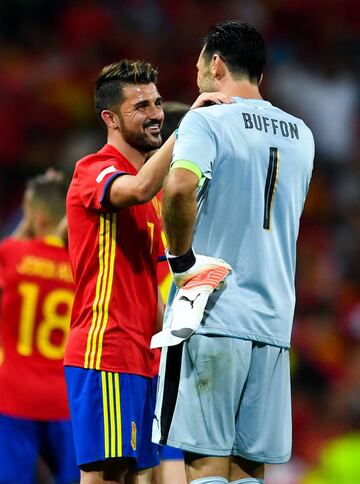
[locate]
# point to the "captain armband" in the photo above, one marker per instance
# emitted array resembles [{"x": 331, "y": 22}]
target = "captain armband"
[{"x": 188, "y": 165}]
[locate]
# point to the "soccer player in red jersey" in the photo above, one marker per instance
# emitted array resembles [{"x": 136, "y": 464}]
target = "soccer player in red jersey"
[
  {"x": 114, "y": 234},
  {"x": 37, "y": 293}
]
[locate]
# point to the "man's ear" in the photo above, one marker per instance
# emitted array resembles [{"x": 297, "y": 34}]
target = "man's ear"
[
  {"x": 217, "y": 67},
  {"x": 110, "y": 118}
]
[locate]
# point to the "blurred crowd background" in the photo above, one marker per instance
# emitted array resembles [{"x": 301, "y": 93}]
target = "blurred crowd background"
[{"x": 50, "y": 54}]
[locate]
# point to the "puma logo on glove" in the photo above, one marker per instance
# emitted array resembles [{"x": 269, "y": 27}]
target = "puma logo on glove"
[{"x": 196, "y": 284}]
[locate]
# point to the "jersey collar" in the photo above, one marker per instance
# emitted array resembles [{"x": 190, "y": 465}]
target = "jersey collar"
[
  {"x": 54, "y": 241},
  {"x": 260, "y": 102}
]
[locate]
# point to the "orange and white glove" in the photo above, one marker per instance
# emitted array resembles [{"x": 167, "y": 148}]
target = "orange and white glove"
[{"x": 196, "y": 284}]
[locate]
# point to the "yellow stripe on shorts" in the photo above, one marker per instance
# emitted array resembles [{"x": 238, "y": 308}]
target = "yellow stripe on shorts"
[{"x": 112, "y": 414}]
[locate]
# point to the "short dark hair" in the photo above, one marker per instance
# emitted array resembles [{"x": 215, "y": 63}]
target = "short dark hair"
[
  {"x": 240, "y": 46},
  {"x": 114, "y": 77},
  {"x": 49, "y": 192}
]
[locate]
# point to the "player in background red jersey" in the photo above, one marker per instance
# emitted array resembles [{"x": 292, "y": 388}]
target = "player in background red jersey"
[
  {"x": 114, "y": 233},
  {"x": 37, "y": 294}
]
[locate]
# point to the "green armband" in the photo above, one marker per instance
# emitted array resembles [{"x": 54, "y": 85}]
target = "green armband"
[{"x": 188, "y": 165}]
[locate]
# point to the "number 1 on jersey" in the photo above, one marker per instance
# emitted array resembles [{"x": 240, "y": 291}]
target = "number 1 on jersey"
[{"x": 270, "y": 185}]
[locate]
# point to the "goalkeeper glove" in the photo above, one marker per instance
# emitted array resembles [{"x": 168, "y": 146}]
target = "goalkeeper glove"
[
  {"x": 185, "y": 267},
  {"x": 196, "y": 283}
]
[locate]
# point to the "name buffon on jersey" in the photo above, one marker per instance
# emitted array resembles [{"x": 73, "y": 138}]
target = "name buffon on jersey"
[{"x": 271, "y": 125}]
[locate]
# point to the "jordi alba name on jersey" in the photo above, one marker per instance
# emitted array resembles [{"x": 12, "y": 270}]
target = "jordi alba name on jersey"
[{"x": 256, "y": 162}]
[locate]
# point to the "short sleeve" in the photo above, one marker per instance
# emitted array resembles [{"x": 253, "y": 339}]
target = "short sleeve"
[
  {"x": 93, "y": 182},
  {"x": 195, "y": 143}
]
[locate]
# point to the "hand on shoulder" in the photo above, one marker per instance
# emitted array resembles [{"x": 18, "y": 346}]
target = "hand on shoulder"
[{"x": 210, "y": 98}]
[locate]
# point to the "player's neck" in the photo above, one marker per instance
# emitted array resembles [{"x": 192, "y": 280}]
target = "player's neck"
[
  {"x": 41, "y": 233},
  {"x": 243, "y": 89},
  {"x": 136, "y": 158}
]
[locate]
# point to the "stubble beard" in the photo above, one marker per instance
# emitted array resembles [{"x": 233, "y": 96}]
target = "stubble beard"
[
  {"x": 139, "y": 141},
  {"x": 207, "y": 83}
]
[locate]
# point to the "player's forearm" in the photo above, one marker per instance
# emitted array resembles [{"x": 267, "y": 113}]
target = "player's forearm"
[
  {"x": 179, "y": 212},
  {"x": 134, "y": 190},
  {"x": 152, "y": 174}
]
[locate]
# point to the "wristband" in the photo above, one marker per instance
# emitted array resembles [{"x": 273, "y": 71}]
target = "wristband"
[{"x": 181, "y": 263}]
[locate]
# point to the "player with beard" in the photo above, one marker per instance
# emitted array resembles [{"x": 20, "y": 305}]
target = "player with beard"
[
  {"x": 114, "y": 235},
  {"x": 237, "y": 185}
]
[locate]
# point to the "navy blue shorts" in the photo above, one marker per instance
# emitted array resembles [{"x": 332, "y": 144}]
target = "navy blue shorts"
[
  {"x": 23, "y": 440},
  {"x": 112, "y": 416}
]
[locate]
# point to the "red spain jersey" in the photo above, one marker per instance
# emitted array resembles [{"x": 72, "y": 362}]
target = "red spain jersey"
[
  {"x": 37, "y": 294},
  {"x": 114, "y": 258}
]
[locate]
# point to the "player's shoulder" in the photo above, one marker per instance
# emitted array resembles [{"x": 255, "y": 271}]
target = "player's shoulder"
[
  {"x": 218, "y": 113},
  {"x": 282, "y": 114},
  {"x": 290, "y": 116},
  {"x": 204, "y": 117},
  {"x": 107, "y": 157},
  {"x": 4, "y": 245},
  {"x": 209, "y": 112},
  {"x": 93, "y": 161},
  {"x": 10, "y": 244},
  {"x": 50, "y": 245}
]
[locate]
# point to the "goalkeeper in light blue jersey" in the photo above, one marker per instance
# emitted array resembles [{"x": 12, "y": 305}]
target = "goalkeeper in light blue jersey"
[{"x": 236, "y": 190}]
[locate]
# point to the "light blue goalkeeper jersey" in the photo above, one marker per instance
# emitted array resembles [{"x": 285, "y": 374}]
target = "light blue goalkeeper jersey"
[{"x": 256, "y": 161}]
